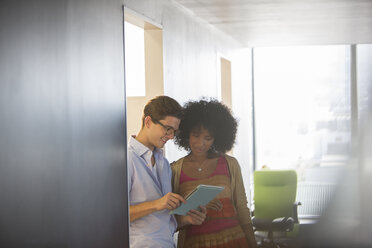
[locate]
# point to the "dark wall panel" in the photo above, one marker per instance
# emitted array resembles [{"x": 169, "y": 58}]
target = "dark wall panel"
[{"x": 62, "y": 124}]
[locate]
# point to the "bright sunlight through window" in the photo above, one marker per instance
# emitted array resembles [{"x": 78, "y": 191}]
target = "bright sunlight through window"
[
  {"x": 303, "y": 117},
  {"x": 134, "y": 60},
  {"x": 303, "y": 111}
]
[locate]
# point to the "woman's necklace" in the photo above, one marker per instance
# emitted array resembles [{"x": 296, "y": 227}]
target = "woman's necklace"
[{"x": 201, "y": 165}]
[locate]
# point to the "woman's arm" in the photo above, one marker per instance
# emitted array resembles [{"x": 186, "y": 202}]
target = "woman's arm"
[
  {"x": 249, "y": 234},
  {"x": 241, "y": 203}
]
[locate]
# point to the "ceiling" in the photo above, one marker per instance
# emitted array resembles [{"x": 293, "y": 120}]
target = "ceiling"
[{"x": 287, "y": 22}]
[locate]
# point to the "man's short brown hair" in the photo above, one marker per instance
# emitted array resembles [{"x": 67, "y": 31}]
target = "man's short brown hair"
[{"x": 160, "y": 107}]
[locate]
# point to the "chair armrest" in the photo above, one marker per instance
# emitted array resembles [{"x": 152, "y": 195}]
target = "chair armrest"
[
  {"x": 278, "y": 224},
  {"x": 295, "y": 212},
  {"x": 261, "y": 224},
  {"x": 283, "y": 223}
]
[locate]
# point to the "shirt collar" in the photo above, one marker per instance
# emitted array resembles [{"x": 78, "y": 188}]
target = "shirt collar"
[{"x": 140, "y": 148}]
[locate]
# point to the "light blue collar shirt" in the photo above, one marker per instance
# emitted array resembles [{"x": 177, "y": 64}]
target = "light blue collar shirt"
[{"x": 148, "y": 183}]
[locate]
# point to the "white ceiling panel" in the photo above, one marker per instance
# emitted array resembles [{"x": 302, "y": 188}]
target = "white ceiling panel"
[{"x": 286, "y": 22}]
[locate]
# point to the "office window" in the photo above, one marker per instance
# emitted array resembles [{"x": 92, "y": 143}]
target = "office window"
[
  {"x": 364, "y": 77},
  {"x": 134, "y": 60},
  {"x": 143, "y": 65},
  {"x": 303, "y": 116}
]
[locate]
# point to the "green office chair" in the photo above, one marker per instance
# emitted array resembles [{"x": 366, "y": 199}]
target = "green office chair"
[{"x": 275, "y": 209}]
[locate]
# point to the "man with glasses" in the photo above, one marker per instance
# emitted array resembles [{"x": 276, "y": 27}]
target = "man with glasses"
[{"x": 149, "y": 178}]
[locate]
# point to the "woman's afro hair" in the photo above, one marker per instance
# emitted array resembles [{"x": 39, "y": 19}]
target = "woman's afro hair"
[{"x": 213, "y": 116}]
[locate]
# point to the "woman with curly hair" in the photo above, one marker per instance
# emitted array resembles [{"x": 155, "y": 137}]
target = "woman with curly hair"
[{"x": 207, "y": 131}]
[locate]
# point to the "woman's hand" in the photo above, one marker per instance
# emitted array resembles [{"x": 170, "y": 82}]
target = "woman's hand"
[
  {"x": 215, "y": 204},
  {"x": 193, "y": 217}
]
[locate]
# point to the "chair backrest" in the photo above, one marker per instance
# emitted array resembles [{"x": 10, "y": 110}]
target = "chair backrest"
[{"x": 274, "y": 193}]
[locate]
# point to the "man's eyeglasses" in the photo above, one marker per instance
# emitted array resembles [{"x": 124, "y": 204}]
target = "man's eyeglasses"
[{"x": 168, "y": 130}]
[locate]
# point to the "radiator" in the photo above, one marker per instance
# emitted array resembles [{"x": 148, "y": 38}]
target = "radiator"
[{"x": 314, "y": 198}]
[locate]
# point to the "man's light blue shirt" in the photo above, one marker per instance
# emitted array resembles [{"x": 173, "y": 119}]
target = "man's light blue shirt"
[{"x": 148, "y": 183}]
